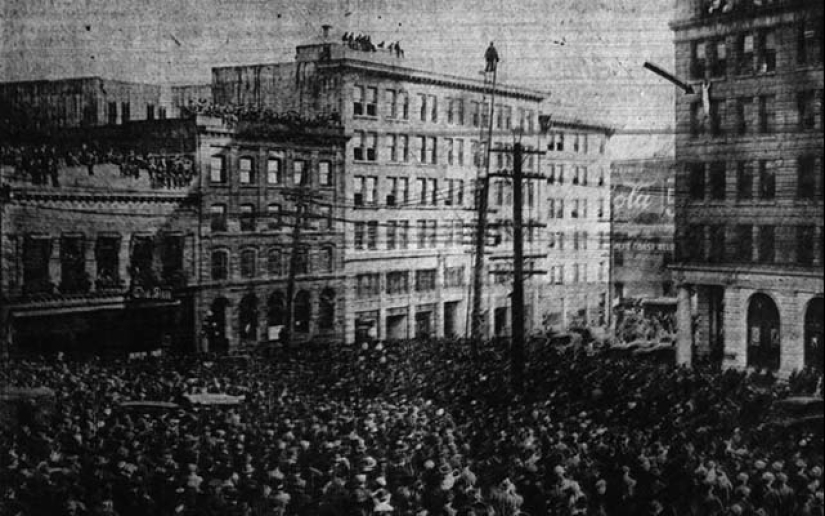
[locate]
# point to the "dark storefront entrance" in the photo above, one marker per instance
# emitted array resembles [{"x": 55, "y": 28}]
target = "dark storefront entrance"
[
  {"x": 814, "y": 315},
  {"x": 763, "y": 333}
]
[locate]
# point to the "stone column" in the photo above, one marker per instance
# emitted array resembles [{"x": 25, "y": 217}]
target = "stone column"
[
  {"x": 791, "y": 332},
  {"x": 684, "y": 327},
  {"x": 736, "y": 332}
]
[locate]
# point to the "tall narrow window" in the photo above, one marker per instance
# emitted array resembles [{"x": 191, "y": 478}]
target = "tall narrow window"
[
  {"x": 744, "y": 243},
  {"x": 718, "y": 180},
  {"x": 273, "y": 171},
  {"x": 372, "y": 101},
  {"x": 358, "y": 100},
  {"x": 697, "y": 60},
  {"x": 767, "y": 238},
  {"x": 805, "y": 244},
  {"x": 247, "y": 217},
  {"x": 107, "y": 258},
  {"x": 767, "y": 51},
  {"x": 246, "y": 171},
  {"x": 248, "y": 263},
  {"x": 767, "y": 114},
  {"x": 326, "y": 309},
  {"x": 743, "y": 114},
  {"x": 171, "y": 257},
  {"x": 220, "y": 264},
  {"x": 217, "y": 169},
  {"x": 273, "y": 216},
  {"x": 300, "y": 175},
  {"x": 217, "y": 214},
  {"x": 248, "y": 317},
  {"x": 73, "y": 277},
  {"x": 745, "y": 51},
  {"x": 744, "y": 180},
  {"x": 809, "y": 42},
  {"x": 719, "y": 66},
  {"x": 141, "y": 263},
  {"x": 696, "y": 181},
  {"x": 806, "y": 170},
  {"x": 325, "y": 173},
  {"x": 767, "y": 180},
  {"x": 274, "y": 262}
]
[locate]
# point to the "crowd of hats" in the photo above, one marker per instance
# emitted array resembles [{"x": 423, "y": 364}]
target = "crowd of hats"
[
  {"x": 231, "y": 114},
  {"x": 41, "y": 163},
  {"x": 411, "y": 428},
  {"x": 364, "y": 43}
]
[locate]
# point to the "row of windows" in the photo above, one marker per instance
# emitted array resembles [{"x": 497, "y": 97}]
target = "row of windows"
[
  {"x": 753, "y": 52},
  {"x": 578, "y": 208},
  {"x": 754, "y": 115},
  {"x": 276, "y": 312},
  {"x": 397, "y": 234},
  {"x": 451, "y": 193},
  {"x": 576, "y": 273},
  {"x": 709, "y": 181},
  {"x": 249, "y": 171},
  {"x": 579, "y": 175},
  {"x": 126, "y": 112},
  {"x": 320, "y": 218},
  {"x": 277, "y": 262},
  {"x": 365, "y": 103},
  {"x": 577, "y": 240},
  {"x": 579, "y": 142},
  {"x": 746, "y": 243},
  {"x": 398, "y": 282},
  {"x": 146, "y": 253}
]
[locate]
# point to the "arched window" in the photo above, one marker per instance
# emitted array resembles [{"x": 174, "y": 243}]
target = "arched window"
[
  {"x": 275, "y": 262},
  {"x": 303, "y": 311},
  {"x": 248, "y": 258},
  {"x": 220, "y": 264},
  {"x": 302, "y": 261},
  {"x": 275, "y": 314},
  {"x": 763, "y": 332},
  {"x": 326, "y": 309},
  {"x": 249, "y": 317}
]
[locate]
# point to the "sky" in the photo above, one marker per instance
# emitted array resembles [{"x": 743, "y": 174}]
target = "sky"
[{"x": 587, "y": 54}]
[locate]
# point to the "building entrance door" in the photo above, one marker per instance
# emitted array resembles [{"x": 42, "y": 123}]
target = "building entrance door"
[
  {"x": 423, "y": 325},
  {"x": 763, "y": 333},
  {"x": 451, "y": 319},
  {"x": 814, "y": 357}
]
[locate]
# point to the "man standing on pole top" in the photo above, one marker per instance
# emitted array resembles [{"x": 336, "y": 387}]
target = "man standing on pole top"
[{"x": 491, "y": 55}]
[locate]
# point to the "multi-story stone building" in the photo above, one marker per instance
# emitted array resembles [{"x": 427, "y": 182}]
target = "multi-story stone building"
[
  {"x": 83, "y": 102},
  {"x": 749, "y": 212},
  {"x": 254, "y": 176},
  {"x": 411, "y": 166},
  {"x": 575, "y": 206},
  {"x": 98, "y": 239},
  {"x": 174, "y": 233}
]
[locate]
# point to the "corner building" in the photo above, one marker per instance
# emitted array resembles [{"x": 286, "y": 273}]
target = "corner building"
[
  {"x": 749, "y": 210},
  {"x": 410, "y": 169}
]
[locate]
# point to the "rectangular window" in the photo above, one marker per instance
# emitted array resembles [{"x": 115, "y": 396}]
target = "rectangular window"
[
  {"x": 403, "y": 234},
  {"x": 809, "y": 42},
  {"x": 370, "y": 190},
  {"x": 718, "y": 180},
  {"x": 246, "y": 171},
  {"x": 744, "y": 181},
  {"x": 697, "y": 60},
  {"x": 460, "y": 152},
  {"x": 432, "y": 151},
  {"x": 716, "y": 116},
  {"x": 73, "y": 276},
  {"x": 247, "y": 217},
  {"x": 325, "y": 173},
  {"x": 112, "y": 113},
  {"x": 454, "y": 277},
  {"x": 360, "y": 140},
  {"x": 806, "y": 170},
  {"x": 767, "y": 114},
  {"x": 767, "y": 51},
  {"x": 744, "y": 243},
  {"x": 392, "y": 225},
  {"x": 220, "y": 264},
  {"x": 696, "y": 181},
  {"x": 475, "y": 114},
  {"x": 422, "y": 102},
  {"x": 299, "y": 175},
  {"x": 767, "y": 180},
  {"x": 450, "y": 149},
  {"x": 368, "y": 285},
  {"x": 717, "y": 243},
  {"x": 805, "y": 245},
  {"x": 806, "y": 103},
  {"x": 371, "y": 145},
  {"x": 126, "y": 112},
  {"x": 359, "y": 234},
  {"x": 358, "y": 101},
  {"x": 273, "y": 216},
  {"x": 745, "y": 53},
  {"x": 273, "y": 171},
  {"x": 422, "y": 149},
  {"x": 422, "y": 234},
  {"x": 392, "y": 103},
  {"x": 697, "y": 119},
  {"x": 217, "y": 214},
  {"x": 767, "y": 239},
  {"x": 107, "y": 258},
  {"x": 433, "y": 108},
  {"x": 559, "y": 208},
  {"x": 432, "y": 233},
  {"x": 392, "y": 147},
  {"x": 422, "y": 191},
  {"x": 372, "y": 101},
  {"x": 403, "y": 195},
  {"x": 405, "y": 105},
  {"x": 217, "y": 169},
  {"x": 398, "y": 282},
  {"x": 719, "y": 65},
  {"x": 743, "y": 115},
  {"x": 425, "y": 280},
  {"x": 150, "y": 112},
  {"x": 459, "y": 111},
  {"x": 404, "y": 145},
  {"x": 141, "y": 260},
  {"x": 358, "y": 190},
  {"x": 372, "y": 235}
]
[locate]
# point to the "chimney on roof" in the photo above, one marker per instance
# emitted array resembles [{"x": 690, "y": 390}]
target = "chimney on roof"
[{"x": 326, "y": 28}]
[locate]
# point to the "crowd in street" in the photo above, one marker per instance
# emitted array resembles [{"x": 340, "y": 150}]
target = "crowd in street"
[
  {"x": 633, "y": 324},
  {"x": 41, "y": 163},
  {"x": 411, "y": 428},
  {"x": 364, "y": 43}
]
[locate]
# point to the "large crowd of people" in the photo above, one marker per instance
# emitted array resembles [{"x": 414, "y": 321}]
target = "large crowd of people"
[
  {"x": 41, "y": 163},
  {"x": 412, "y": 428}
]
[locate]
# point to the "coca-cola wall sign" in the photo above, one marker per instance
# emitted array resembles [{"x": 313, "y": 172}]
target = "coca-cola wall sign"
[{"x": 643, "y": 193}]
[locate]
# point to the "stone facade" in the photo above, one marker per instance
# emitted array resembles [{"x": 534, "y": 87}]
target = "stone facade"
[{"x": 749, "y": 185}]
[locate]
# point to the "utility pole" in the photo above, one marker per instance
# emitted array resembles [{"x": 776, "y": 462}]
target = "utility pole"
[
  {"x": 517, "y": 303},
  {"x": 482, "y": 189},
  {"x": 302, "y": 197},
  {"x": 517, "y": 345}
]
